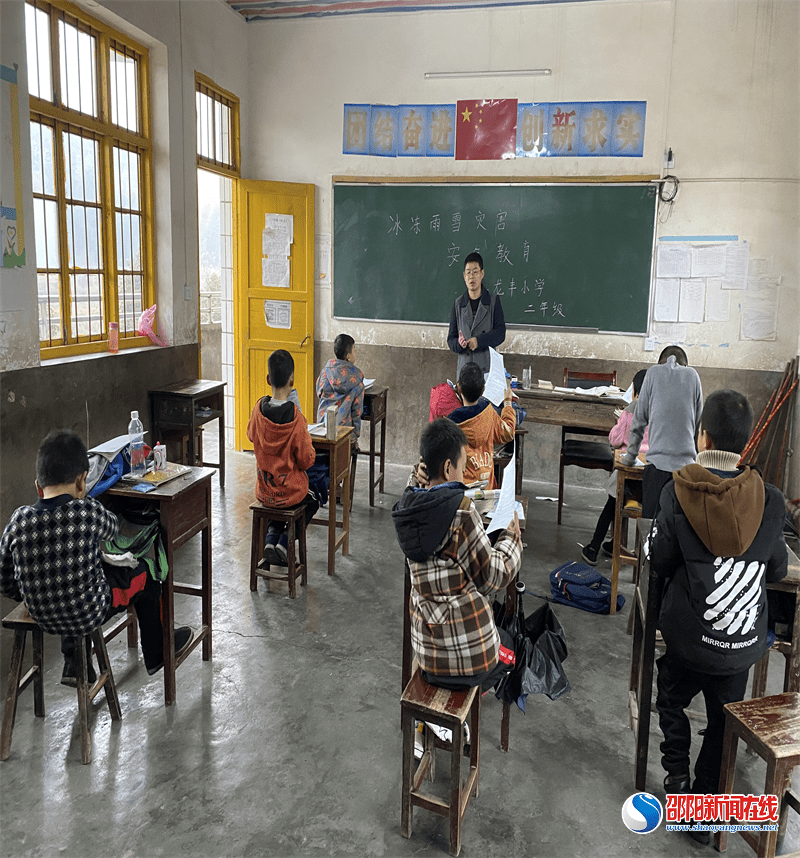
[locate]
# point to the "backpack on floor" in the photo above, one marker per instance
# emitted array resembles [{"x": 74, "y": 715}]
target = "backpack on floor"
[{"x": 580, "y": 586}]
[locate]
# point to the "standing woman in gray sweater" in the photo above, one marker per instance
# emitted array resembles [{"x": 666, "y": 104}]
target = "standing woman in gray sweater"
[{"x": 670, "y": 404}]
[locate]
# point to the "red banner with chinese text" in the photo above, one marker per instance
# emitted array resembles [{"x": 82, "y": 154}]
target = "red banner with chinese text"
[{"x": 486, "y": 130}]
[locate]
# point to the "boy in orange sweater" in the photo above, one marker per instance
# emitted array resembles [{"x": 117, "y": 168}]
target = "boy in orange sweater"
[
  {"x": 482, "y": 425},
  {"x": 284, "y": 453}
]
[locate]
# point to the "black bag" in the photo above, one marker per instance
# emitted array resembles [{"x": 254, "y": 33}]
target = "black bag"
[{"x": 540, "y": 647}]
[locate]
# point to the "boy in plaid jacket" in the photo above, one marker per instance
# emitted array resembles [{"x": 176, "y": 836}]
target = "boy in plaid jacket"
[{"x": 455, "y": 571}]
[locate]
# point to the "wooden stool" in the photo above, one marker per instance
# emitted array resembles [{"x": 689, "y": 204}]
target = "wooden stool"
[
  {"x": 424, "y": 702},
  {"x": 771, "y": 727},
  {"x": 21, "y": 622},
  {"x": 294, "y": 517}
]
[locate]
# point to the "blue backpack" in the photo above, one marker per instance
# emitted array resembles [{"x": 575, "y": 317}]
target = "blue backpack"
[{"x": 580, "y": 586}]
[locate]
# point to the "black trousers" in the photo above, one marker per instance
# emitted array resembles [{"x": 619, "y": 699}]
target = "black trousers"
[
  {"x": 677, "y": 686},
  {"x": 145, "y": 596},
  {"x": 653, "y": 481},
  {"x": 488, "y": 679},
  {"x": 311, "y": 505},
  {"x": 606, "y": 518}
]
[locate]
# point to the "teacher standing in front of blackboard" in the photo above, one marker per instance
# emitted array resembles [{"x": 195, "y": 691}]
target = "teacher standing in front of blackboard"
[{"x": 476, "y": 320}]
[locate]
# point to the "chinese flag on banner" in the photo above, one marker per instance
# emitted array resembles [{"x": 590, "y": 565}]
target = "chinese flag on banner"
[{"x": 486, "y": 130}]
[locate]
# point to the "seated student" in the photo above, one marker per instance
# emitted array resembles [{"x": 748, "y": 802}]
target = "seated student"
[
  {"x": 482, "y": 425},
  {"x": 455, "y": 572},
  {"x": 284, "y": 453},
  {"x": 341, "y": 383},
  {"x": 618, "y": 437},
  {"x": 51, "y": 557},
  {"x": 717, "y": 540},
  {"x": 670, "y": 403}
]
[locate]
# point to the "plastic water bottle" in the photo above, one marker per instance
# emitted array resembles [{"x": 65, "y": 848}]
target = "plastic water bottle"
[{"x": 136, "y": 438}]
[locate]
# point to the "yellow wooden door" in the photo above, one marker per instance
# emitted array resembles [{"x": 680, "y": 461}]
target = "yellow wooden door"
[{"x": 254, "y": 339}]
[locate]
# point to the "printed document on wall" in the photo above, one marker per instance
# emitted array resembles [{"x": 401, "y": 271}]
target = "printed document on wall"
[
  {"x": 708, "y": 260},
  {"x": 665, "y": 306},
  {"x": 718, "y": 300},
  {"x": 737, "y": 258},
  {"x": 674, "y": 261},
  {"x": 693, "y": 298}
]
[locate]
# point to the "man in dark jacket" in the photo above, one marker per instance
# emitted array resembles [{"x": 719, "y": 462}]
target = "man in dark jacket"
[
  {"x": 476, "y": 320},
  {"x": 718, "y": 539}
]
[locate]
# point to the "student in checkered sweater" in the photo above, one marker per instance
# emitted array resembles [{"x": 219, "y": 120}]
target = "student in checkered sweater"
[
  {"x": 455, "y": 571},
  {"x": 50, "y": 557}
]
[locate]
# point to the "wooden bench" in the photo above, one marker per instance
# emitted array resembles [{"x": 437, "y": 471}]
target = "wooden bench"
[
  {"x": 450, "y": 709},
  {"x": 770, "y": 726},
  {"x": 21, "y": 623},
  {"x": 294, "y": 519}
]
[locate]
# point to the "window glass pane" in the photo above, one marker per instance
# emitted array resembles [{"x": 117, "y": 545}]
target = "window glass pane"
[
  {"x": 42, "y": 161},
  {"x": 78, "y": 68},
  {"x": 87, "y": 305},
  {"x": 37, "y": 39},
  {"x": 225, "y": 134},
  {"x": 124, "y": 92},
  {"x": 129, "y": 242},
  {"x": 129, "y": 302},
  {"x": 45, "y": 214},
  {"x": 126, "y": 179},
  {"x": 82, "y": 168},
  {"x": 84, "y": 237},
  {"x": 204, "y": 117},
  {"x": 50, "y": 328}
]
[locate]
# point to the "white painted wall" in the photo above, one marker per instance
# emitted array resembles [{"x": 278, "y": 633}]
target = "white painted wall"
[
  {"x": 183, "y": 36},
  {"x": 721, "y": 82}
]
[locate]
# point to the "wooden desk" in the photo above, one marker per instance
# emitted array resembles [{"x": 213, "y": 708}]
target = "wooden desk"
[
  {"x": 569, "y": 409},
  {"x": 645, "y": 610},
  {"x": 184, "y": 506},
  {"x": 375, "y": 404},
  {"x": 175, "y": 408},
  {"x": 339, "y": 452},
  {"x": 620, "y": 553}
]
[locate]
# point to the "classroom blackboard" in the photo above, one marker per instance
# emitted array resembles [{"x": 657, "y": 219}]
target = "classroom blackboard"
[{"x": 560, "y": 255}]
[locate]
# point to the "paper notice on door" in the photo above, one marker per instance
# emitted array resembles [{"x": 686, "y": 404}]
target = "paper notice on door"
[
  {"x": 278, "y": 314},
  {"x": 275, "y": 273}
]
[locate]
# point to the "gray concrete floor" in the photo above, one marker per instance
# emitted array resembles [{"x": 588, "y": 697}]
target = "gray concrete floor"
[{"x": 287, "y": 742}]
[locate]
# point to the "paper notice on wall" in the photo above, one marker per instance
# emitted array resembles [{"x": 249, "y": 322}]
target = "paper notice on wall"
[
  {"x": 674, "y": 261},
  {"x": 718, "y": 300},
  {"x": 693, "y": 299},
  {"x": 737, "y": 258},
  {"x": 665, "y": 306},
  {"x": 322, "y": 259},
  {"x": 278, "y": 314},
  {"x": 758, "y": 267},
  {"x": 275, "y": 273},
  {"x": 496, "y": 380},
  {"x": 666, "y": 332},
  {"x": 708, "y": 260},
  {"x": 759, "y": 323}
]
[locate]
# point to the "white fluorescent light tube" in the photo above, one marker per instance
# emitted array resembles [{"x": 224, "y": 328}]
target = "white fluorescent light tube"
[{"x": 508, "y": 73}]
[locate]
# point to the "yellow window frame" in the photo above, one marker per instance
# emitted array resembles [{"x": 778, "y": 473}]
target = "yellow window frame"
[
  {"x": 205, "y": 86},
  {"x": 62, "y": 118}
]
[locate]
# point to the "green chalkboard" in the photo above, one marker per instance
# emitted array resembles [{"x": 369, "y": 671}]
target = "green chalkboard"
[{"x": 564, "y": 255}]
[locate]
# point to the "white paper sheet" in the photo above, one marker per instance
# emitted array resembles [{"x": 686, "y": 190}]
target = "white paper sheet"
[
  {"x": 665, "y": 306},
  {"x": 693, "y": 299},
  {"x": 496, "y": 380},
  {"x": 759, "y": 324},
  {"x": 674, "y": 260},
  {"x": 666, "y": 332},
  {"x": 764, "y": 293},
  {"x": 278, "y": 314},
  {"x": 280, "y": 223},
  {"x": 504, "y": 511},
  {"x": 718, "y": 301},
  {"x": 322, "y": 259},
  {"x": 737, "y": 258},
  {"x": 275, "y": 245},
  {"x": 275, "y": 273},
  {"x": 109, "y": 449},
  {"x": 368, "y": 382},
  {"x": 708, "y": 260},
  {"x": 317, "y": 429}
]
